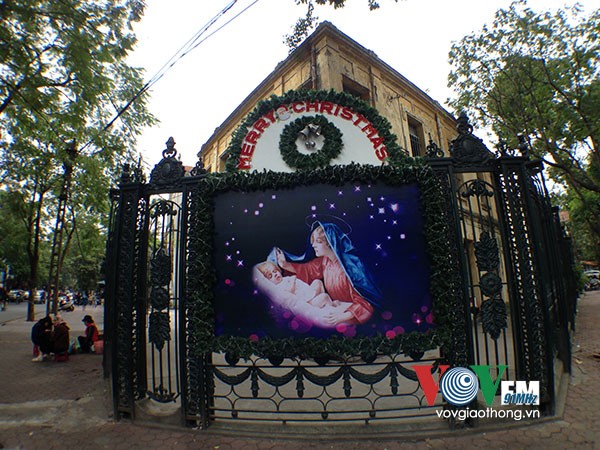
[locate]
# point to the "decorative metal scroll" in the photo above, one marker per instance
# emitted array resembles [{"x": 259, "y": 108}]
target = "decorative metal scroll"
[
  {"x": 164, "y": 388},
  {"x": 128, "y": 361},
  {"x": 299, "y": 392},
  {"x": 159, "y": 329},
  {"x": 529, "y": 299},
  {"x": 493, "y": 309},
  {"x": 132, "y": 174},
  {"x": 522, "y": 149},
  {"x": 433, "y": 150}
]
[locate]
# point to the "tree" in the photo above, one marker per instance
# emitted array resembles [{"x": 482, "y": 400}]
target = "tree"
[
  {"x": 63, "y": 79},
  {"x": 13, "y": 239},
  {"x": 304, "y": 25},
  {"x": 536, "y": 75},
  {"x": 580, "y": 223}
]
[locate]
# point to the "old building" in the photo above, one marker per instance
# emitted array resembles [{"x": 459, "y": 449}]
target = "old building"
[{"x": 329, "y": 59}]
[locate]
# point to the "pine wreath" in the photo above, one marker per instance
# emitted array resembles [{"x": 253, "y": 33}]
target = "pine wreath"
[{"x": 332, "y": 145}]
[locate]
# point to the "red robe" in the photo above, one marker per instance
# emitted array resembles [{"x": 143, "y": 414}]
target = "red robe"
[{"x": 336, "y": 283}]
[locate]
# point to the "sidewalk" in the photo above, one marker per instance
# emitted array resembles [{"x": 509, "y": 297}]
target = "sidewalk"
[{"x": 68, "y": 406}]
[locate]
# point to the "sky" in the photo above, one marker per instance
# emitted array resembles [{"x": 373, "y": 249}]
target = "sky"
[{"x": 199, "y": 91}]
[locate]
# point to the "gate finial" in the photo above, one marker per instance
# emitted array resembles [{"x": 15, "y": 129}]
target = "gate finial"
[
  {"x": 169, "y": 171},
  {"x": 463, "y": 126},
  {"x": 467, "y": 148}
]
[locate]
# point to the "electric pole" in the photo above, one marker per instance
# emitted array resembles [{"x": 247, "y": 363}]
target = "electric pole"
[{"x": 56, "y": 257}]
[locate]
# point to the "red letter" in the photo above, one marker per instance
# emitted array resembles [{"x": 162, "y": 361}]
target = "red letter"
[
  {"x": 312, "y": 106},
  {"x": 360, "y": 118},
  {"x": 346, "y": 113},
  {"x": 369, "y": 130},
  {"x": 298, "y": 107},
  {"x": 271, "y": 116},
  {"x": 429, "y": 387},
  {"x": 381, "y": 153},
  {"x": 260, "y": 125},
  {"x": 247, "y": 149},
  {"x": 376, "y": 141},
  {"x": 326, "y": 107},
  {"x": 252, "y": 136},
  {"x": 244, "y": 163}
]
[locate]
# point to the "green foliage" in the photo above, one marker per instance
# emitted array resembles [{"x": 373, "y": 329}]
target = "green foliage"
[
  {"x": 332, "y": 146},
  {"x": 583, "y": 224},
  {"x": 380, "y": 123},
  {"x": 63, "y": 77},
  {"x": 536, "y": 75},
  {"x": 304, "y": 25},
  {"x": 13, "y": 250}
]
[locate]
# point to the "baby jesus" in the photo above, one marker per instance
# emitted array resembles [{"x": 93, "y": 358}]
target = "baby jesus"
[{"x": 313, "y": 294}]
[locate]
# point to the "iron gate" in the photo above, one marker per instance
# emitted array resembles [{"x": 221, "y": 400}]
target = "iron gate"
[{"x": 514, "y": 306}]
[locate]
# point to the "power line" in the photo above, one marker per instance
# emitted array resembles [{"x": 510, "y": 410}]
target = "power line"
[
  {"x": 190, "y": 45},
  {"x": 183, "y": 50}
]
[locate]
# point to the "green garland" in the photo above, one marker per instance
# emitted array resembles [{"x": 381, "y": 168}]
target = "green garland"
[
  {"x": 380, "y": 123},
  {"x": 331, "y": 149},
  {"x": 445, "y": 283}
]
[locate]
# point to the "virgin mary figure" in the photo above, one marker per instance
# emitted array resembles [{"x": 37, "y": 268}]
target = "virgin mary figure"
[{"x": 331, "y": 258}]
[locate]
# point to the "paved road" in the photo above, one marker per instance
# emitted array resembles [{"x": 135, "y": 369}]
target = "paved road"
[
  {"x": 68, "y": 406},
  {"x": 18, "y": 311}
]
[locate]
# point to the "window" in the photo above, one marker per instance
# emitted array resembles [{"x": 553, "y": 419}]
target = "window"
[
  {"x": 306, "y": 85},
  {"x": 415, "y": 131},
  {"x": 356, "y": 89}
]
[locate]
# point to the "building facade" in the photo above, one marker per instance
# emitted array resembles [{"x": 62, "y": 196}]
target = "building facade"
[{"x": 330, "y": 60}]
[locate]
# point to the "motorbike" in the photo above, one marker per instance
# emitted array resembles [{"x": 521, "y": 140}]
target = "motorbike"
[{"x": 64, "y": 304}]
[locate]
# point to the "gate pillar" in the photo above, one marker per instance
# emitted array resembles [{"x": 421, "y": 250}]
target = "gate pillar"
[{"x": 124, "y": 299}]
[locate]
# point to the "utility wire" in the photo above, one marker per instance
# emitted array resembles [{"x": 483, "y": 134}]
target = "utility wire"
[
  {"x": 183, "y": 50},
  {"x": 190, "y": 45},
  {"x": 222, "y": 26}
]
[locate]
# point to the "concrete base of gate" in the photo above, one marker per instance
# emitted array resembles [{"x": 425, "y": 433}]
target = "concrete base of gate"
[
  {"x": 148, "y": 410},
  {"x": 168, "y": 415},
  {"x": 397, "y": 431},
  {"x": 404, "y": 429}
]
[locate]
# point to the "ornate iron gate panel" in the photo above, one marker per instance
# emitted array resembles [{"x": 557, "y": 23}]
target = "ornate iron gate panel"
[
  {"x": 487, "y": 286},
  {"x": 125, "y": 311},
  {"x": 514, "y": 307},
  {"x": 307, "y": 391},
  {"x": 516, "y": 289},
  {"x": 163, "y": 324}
]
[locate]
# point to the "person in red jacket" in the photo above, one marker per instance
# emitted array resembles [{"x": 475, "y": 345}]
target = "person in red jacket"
[{"x": 91, "y": 335}]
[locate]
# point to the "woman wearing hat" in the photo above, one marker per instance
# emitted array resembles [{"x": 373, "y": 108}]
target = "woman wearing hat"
[{"x": 91, "y": 335}]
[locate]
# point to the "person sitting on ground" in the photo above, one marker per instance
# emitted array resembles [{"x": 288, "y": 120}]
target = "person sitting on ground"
[
  {"x": 41, "y": 336},
  {"x": 60, "y": 336},
  {"x": 91, "y": 335}
]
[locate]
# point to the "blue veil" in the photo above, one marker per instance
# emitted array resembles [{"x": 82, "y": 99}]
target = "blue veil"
[{"x": 358, "y": 274}]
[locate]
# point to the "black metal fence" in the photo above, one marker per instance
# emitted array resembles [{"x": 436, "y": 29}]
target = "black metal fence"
[{"x": 517, "y": 303}]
